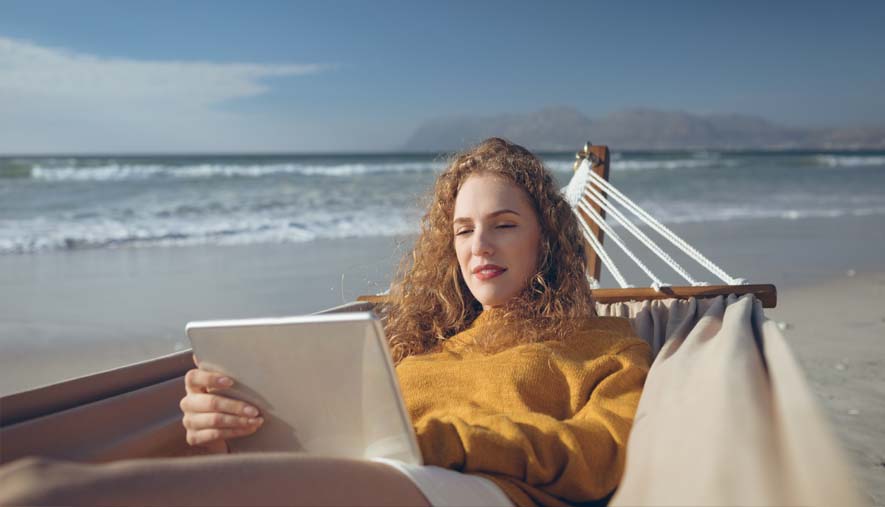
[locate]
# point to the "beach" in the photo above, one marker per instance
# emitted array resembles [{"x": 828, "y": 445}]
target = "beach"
[
  {"x": 836, "y": 329},
  {"x": 89, "y": 287}
]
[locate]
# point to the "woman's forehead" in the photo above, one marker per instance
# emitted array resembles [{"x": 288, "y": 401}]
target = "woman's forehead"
[{"x": 483, "y": 194}]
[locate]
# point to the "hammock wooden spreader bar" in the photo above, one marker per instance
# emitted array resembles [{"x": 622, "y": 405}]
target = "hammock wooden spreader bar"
[{"x": 765, "y": 293}]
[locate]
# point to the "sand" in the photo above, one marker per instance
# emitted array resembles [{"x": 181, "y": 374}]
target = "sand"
[
  {"x": 836, "y": 329},
  {"x": 65, "y": 314},
  {"x": 68, "y": 314}
]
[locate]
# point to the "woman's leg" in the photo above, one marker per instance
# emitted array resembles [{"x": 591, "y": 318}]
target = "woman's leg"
[{"x": 256, "y": 479}]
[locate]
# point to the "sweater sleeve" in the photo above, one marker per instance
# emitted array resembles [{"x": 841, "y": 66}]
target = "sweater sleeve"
[{"x": 577, "y": 459}]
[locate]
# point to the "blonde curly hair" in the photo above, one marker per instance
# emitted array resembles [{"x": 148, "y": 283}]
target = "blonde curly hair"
[{"x": 429, "y": 300}]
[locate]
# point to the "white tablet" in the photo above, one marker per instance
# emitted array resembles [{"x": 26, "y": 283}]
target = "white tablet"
[{"x": 325, "y": 384}]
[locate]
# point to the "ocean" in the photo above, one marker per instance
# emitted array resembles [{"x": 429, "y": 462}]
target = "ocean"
[{"x": 112, "y": 202}]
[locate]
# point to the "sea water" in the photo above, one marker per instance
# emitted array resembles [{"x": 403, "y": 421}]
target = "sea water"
[{"x": 111, "y": 202}]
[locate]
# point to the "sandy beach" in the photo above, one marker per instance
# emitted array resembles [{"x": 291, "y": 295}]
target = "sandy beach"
[
  {"x": 66, "y": 314},
  {"x": 837, "y": 331}
]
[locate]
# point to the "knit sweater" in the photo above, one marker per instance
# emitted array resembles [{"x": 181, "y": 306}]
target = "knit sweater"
[{"x": 547, "y": 422}]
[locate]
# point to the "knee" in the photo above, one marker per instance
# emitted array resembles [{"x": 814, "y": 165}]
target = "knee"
[{"x": 24, "y": 481}]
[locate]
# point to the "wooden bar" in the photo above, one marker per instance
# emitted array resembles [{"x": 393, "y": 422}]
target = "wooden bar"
[
  {"x": 601, "y": 167},
  {"x": 374, "y": 299},
  {"x": 766, "y": 293}
]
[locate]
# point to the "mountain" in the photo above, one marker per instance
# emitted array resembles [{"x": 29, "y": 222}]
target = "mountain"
[{"x": 566, "y": 128}]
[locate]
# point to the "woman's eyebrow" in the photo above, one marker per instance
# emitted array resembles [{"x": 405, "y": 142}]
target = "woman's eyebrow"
[{"x": 490, "y": 215}]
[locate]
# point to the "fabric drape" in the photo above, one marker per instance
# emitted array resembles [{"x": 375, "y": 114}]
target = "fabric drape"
[{"x": 726, "y": 417}]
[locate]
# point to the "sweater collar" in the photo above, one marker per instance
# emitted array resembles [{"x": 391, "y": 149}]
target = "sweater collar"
[{"x": 485, "y": 317}]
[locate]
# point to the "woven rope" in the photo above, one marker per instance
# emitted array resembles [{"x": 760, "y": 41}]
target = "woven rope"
[{"x": 587, "y": 187}]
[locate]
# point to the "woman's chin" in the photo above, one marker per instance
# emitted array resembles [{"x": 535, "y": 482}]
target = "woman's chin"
[{"x": 491, "y": 300}]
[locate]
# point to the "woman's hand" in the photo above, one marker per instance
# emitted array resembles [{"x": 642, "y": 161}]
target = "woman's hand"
[{"x": 212, "y": 419}]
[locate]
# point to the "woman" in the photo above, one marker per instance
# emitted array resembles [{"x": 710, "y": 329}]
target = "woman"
[{"x": 517, "y": 395}]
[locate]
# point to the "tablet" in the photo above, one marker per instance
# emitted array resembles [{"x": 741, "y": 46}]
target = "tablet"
[{"x": 325, "y": 384}]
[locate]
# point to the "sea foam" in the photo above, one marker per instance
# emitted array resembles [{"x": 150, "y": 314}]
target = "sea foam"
[
  {"x": 850, "y": 160},
  {"x": 129, "y": 172}
]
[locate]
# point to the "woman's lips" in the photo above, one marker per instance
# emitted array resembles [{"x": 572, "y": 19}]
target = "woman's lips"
[{"x": 489, "y": 273}]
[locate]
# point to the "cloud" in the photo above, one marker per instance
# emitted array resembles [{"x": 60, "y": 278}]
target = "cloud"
[{"x": 54, "y": 100}]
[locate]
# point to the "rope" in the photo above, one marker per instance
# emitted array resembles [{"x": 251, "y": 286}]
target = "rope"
[
  {"x": 617, "y": 239},
  {"x": 597, "y": 246},
  {"x": 572, "y": 193},
  {"x": 661, "y": 229},
  {"x": 575, "y": 188},
  {"x": 603, "y": 203}
]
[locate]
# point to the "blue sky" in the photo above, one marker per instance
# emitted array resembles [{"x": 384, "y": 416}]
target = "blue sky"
[{"x": 164, "y": 76}]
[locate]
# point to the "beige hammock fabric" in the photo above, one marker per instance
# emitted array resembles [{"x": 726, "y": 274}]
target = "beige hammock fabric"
[{"x": 726, "y": 417}]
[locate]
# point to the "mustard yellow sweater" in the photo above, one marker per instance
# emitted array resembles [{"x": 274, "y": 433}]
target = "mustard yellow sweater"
[{"x": 547, "y": 422}]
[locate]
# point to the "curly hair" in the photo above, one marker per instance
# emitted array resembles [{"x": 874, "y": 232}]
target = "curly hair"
[{"x": 429, "y": 300}]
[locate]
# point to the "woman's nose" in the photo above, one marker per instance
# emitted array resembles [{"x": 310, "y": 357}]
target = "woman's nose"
[{"x": 481, "y": 246}]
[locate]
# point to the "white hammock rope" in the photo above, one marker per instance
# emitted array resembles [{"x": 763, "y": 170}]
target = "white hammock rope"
[
  {"x": 663, "y": 230},
  {"x": 581, "y": 190},
  {"x": 597, "y": 218},
  {"x": 572, "y": 193},
  {"x": 600, "y": 251},
  {"x": 603, "y": 203}
]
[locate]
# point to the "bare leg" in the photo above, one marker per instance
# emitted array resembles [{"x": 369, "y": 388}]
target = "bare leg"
[{"x": 256, "y": 479}]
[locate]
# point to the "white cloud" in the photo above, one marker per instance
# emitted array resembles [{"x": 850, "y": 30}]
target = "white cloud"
[{"x": 55, "y": 100}]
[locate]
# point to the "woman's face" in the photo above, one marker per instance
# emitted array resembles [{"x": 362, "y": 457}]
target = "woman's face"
[{"x": 497, "y": 237}]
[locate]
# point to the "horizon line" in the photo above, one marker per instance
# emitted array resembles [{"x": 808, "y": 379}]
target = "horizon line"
[{"x": 253, "y": 153}]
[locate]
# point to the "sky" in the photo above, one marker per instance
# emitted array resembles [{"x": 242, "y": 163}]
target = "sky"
[{"x": 288, "y": 76}]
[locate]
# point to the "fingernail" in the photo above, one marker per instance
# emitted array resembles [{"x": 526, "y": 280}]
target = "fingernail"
[
  {"x": 255, "y": 420},
  {"x": 251, "y": 411},
  {"x": 225, "y": 381}
]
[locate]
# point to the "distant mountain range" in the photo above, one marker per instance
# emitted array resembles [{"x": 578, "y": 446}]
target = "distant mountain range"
[{"x": 567, "y": 129}]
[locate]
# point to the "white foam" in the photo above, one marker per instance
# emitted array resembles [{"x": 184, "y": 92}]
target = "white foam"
[
  {"x": 44, "y": 234},
  {"x": 126, "y": 172},
  {"x": 621, "y": 164},
  {"x": 647, "y": 165},
  {"x": 714, "y": 213},
  {"x": 850, "y": 160}
]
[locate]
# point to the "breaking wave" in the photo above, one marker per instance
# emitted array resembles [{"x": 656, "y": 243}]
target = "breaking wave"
[{"x": 129, "y": 172}]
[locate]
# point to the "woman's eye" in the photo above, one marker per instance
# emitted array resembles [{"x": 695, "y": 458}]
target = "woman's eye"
[{"x": 501, "y": 226}]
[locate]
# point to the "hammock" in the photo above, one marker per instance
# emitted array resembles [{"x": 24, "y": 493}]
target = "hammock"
[{"x": 726, "y": 417}]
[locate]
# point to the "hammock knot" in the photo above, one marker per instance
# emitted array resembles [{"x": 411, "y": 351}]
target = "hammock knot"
[{"x": 657, "y": 286}]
